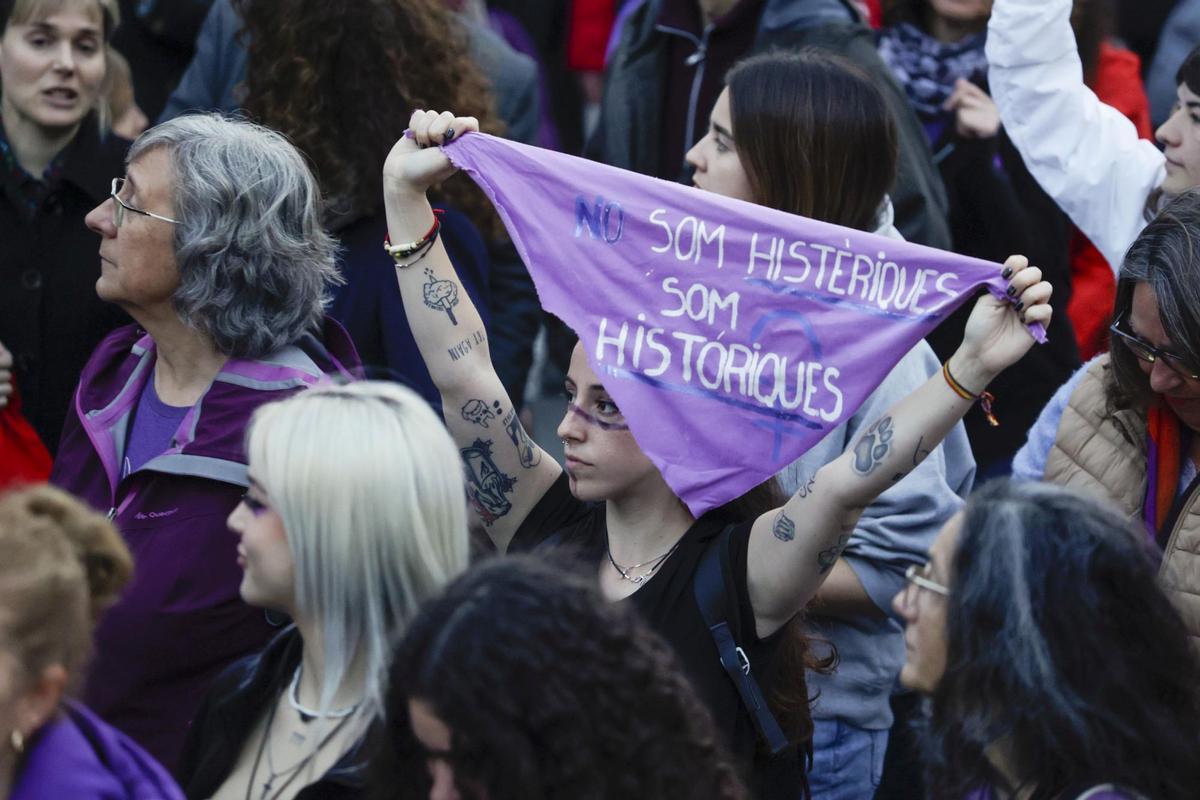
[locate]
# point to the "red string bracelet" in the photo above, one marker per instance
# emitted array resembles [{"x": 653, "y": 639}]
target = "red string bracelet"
[
  {"x": 985, "y": 398},
  {"x": 399, "y": 251}
]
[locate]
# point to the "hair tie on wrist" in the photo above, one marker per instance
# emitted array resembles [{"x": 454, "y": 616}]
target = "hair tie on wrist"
[{"x": 984, "y": 398}]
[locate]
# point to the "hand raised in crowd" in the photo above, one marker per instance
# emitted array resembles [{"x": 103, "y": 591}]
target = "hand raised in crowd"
[
  {"x": 6, "y": 362},
  {"x": 413, "y": 165},
  {"x": 995, "y": 338},
  {"x": 975, "y": 113}
]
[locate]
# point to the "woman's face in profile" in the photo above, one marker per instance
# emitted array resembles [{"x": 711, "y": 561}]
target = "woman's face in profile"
[
  {"x": 718, "y": 168},
  {"x": 268, "y": 573},
  {"x": 922, "y": 604},
  {"x": 52, "y": 69}
]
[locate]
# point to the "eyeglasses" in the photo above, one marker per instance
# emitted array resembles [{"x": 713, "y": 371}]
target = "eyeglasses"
[
  {"x": 1150, "y": 354},
  {"x": 256, "y": 506},
  {"x": 917, "y": 576},
  {"x": 119, "y": 212}
]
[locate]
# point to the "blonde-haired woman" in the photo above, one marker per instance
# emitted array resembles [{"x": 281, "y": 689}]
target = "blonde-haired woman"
[
  {"x": 57, "y": 162},
  {"x": 62, "y": 565},
  {"x": 355, "y": 515}
]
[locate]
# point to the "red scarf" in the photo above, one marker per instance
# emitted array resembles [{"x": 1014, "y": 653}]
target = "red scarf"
[{"x": 1164, "y": 464}]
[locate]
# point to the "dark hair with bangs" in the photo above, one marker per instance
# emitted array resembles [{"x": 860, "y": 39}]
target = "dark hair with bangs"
[
  {"x": 1061, "y": 644},
  {"x": 814, "y": 134}
]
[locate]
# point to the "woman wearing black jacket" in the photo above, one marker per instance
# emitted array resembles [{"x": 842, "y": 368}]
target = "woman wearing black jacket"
[{"x": 57, "y": 162}]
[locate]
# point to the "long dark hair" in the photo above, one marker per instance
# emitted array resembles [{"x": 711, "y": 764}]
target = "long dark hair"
[
  {"x": 789, "y": 697},
  {"x": 1061, "y": 645},
  {"x": 342, "y": 79},
  {"x": 814, "y": 134},
  {"x": 1165, "y": 257},
  {"x": 549, "y": 691}
]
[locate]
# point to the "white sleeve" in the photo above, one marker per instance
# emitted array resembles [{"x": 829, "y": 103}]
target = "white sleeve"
[{"x": 1086, "y": 155}]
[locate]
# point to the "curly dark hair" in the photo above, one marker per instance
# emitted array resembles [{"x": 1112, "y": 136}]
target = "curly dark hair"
[
  {"x": 549, "y": 691},
  {"x": 342, "y": 79},
  {"x": 1061, "y": 644}
]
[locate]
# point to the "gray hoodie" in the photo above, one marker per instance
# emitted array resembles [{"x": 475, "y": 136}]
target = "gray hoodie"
[{"x": 894, "y": 532}]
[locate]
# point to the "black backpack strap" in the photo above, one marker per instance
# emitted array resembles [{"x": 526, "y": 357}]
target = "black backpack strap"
[{"x": 710, "y": 588}]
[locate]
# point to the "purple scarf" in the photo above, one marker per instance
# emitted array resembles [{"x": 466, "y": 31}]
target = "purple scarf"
[{"x": 732, "y": 336}]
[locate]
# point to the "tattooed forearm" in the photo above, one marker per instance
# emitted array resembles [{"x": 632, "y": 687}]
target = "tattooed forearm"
[
  {"x": 477, "y": 411},
  {"x": 827, "y": 558},
  {"x": 806, "y": 487},
  {"x": 873, "y": 447},
  {"x": 440, "y": 295},
  {"x": 464, "y": 346},
  {"x": 487, "y": 486},
  {"x": 784, "y": 529},
  {"x": 527, "y": 451},
  {"x": 920, "y": 452}
]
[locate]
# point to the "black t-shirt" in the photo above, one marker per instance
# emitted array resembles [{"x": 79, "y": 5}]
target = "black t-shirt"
[{"x": 667, "y": 602}]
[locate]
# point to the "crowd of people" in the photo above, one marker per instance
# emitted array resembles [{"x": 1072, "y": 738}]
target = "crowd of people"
[{"x": 270, "y": 527}]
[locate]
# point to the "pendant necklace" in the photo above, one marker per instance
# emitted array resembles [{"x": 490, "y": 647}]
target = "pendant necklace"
[
  {"x": 653, "y": 564},
  {"x": 291, "y": 772}
]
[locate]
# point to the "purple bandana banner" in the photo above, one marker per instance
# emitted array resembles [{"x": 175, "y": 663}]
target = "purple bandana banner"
[{"x": 732, "y": 336}]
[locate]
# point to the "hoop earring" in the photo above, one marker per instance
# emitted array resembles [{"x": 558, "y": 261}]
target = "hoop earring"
[{"x": 18, "y": 741}]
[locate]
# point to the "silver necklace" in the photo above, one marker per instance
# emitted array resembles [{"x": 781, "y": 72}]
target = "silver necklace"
[
  {"x": 652, "y": 565},
  {"x": 308, "y": 714},
  {"x": 291, "y": 772}
]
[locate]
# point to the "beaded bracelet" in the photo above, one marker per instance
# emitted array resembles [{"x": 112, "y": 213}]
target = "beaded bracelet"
[
  {"x": 399, "y": 251},
  {"x": 985, "y": 398}
]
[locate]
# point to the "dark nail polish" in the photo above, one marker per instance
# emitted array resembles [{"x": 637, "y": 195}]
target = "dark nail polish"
[
  {"x": 1012, "y": 291},
  {"x": 449, "y": 134},
  {"x": 1020, "y": 306},
  {"x": 1007, "y": 273}
]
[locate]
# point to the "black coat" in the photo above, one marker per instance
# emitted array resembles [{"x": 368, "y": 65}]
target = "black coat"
[
  {"x": 238, "y": 698},
  {"x": 50, "y": 316}
]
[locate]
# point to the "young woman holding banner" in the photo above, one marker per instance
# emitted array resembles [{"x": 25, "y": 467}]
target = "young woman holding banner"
[
  {"x": 786, "y": 128},
  {"x": 641, "y": 542}
]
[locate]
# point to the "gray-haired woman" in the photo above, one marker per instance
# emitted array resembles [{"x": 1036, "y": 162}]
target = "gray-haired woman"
[{"x": 212, "y": 242}]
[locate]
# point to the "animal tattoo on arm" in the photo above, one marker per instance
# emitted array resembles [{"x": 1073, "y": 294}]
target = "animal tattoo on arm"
[{"x": 873, "y": 447}]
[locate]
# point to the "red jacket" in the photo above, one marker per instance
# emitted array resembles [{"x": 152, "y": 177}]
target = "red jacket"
[{"x": 23, "y": 457}]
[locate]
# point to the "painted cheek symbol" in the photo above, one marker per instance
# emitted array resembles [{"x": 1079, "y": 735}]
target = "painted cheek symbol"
[{"x": 601, "y": 424}]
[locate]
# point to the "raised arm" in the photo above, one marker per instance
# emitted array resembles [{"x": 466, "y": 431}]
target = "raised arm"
[
  {"x": 506, "y": 472},
  {"x": 1085, "y": 154},
  {"x": 792, "y": 549}
]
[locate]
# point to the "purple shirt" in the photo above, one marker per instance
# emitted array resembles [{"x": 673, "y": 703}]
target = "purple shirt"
[{"x": 153, "y": 428}]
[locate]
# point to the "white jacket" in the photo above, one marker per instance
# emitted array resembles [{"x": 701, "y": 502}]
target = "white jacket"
[{"x": 1085, "y": 155}]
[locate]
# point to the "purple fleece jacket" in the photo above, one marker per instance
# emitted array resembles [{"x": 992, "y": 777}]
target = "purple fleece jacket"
[
  {"x": 181, "y": 620},
  {"x": 81, "y": 757}
]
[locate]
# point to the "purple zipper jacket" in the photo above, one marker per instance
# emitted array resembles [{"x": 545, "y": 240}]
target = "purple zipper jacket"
[
  {"x": 181, "y": 620},
  {"x": 79, "y": 756}
]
